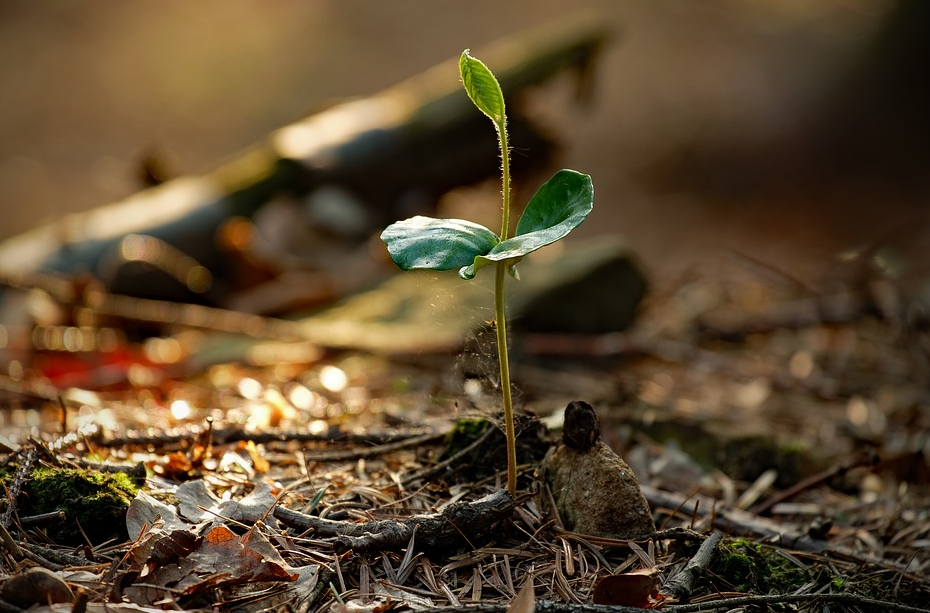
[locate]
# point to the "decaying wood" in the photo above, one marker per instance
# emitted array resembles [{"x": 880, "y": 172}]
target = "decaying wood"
[
  {"x": 682, "y": 584},
  {"x": 56, "y": 557},
  {"x": 419, "y": 137},
  {"x": 458, "y": 522}
]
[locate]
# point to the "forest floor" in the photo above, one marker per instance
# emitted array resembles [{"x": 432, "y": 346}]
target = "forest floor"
[
  {"x": 793, "y": 422},
  {"x": 764, "y": 393}
]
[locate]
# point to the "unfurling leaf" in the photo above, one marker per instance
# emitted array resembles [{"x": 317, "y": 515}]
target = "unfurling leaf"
[{"x": 482, "y": 87}]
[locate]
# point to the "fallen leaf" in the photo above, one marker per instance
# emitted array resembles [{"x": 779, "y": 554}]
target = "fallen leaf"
[
  {"x": 259, "y": 463},
  {"x": 241, "y": 559},
  {"x": 198, "y": 504},
  {"x": 194, "y": 500},
  {"x": 638, "y": 588},
  {"x": 144, "y": 510}
]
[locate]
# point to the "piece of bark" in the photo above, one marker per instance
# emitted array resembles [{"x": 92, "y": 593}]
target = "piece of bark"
[
  {"x": 461, "y": 520},
  {"x": 595, "y": 491},
  {"x": 682, "y": 584}
]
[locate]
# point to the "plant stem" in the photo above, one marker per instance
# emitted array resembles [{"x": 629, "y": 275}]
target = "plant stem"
[
  {"x": 504, "y": 361},
  {"x": 500, "y": 315},
  {"x": 505, "y": 179}
]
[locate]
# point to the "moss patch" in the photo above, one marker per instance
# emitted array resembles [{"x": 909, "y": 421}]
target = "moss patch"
[
  {"x": 94, "y": 500},
  {"x": 463, "y": 433},
  {"x": 490, "y": 456},
  {"x": 750, "y": 567}
]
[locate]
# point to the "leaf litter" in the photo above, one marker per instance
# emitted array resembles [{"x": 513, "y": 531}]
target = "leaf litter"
[{"x": 789, "y": 423}]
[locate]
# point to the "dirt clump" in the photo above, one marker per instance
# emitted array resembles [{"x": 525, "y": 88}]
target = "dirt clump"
[{"x": 595, "y": 491}]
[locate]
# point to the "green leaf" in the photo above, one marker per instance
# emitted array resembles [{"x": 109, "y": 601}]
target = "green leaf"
[
  {"x": 560, "y": 206},
  {"x": 436, "y": 244},
  {"x": 482, "y": 87}
]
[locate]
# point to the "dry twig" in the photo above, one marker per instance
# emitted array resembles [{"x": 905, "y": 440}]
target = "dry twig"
[
  {"x": 459, "y": 521},
  {"x": 682, "y": 584}
]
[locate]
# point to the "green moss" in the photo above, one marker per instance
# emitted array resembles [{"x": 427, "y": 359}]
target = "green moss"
[
  {"x": 94, "y": 500},
  {"x": 794, "y": 447},
  {"x": 464, "y": 432},
  {"x": 487, "y": 458},
  {"x": 750, "y": 567}
]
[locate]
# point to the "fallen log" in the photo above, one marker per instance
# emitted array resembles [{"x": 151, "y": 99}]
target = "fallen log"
[{"x": 384, "y": 157}]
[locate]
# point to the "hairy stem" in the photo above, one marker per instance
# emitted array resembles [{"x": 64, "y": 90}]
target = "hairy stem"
[
  {"x": 500, "y": 316},
  {"x": 505, "y": 179}
]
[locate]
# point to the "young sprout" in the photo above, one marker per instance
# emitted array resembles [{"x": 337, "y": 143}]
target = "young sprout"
[{"x": 560, "y": 206}]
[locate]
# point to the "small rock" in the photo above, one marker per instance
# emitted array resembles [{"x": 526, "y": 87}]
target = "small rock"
[
  {"x": 36, "y": 586},
  {"x": 595, "y": 491}
]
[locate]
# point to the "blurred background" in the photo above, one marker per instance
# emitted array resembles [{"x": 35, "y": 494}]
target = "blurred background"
[{"x": 786, "y": 130}]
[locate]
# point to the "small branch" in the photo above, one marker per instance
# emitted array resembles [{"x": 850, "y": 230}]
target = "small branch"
[
  {"x": 54, "y": 559},
  {"x": 40, "y": 560},
  {"x": 861, "y": 459},
  {"x": 359, "y": 453},
  {"x": 9, "y": 544},
  {"x": 458, "y": 521},
  {"x": 548, "y": 606},
  {"x": 736, "y": 521},
  {"x": 380, "y": 443},
  {"x": 43, "y": 519},
  {"x": 542, "y": 606},
  {"x": 743, "y": 601},
  {"x": 197, "y": 316},
  {"x": 682, "y": 584},
  {"x": 435, "y": 469},
  {"x": 835, "y": 308}
]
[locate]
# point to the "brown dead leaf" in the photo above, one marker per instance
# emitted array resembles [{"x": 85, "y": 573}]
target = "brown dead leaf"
[
  {"x": 221, "y": 557},
  {"x": 244, "y": 559},
  {"x": 638, "y": 588},
  {"x": 259, "y": 463},
  {"x": 176, "y": 465},
  {"x": 158, "y": 548}
]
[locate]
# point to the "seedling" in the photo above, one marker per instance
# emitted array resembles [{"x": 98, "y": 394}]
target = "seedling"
[{"x": 560, "y": 206}]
